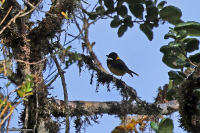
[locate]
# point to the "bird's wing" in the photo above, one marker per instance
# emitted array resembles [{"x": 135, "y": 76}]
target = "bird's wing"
[{"x": 119, "y": 64}]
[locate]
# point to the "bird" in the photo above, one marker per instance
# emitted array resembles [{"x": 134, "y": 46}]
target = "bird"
[{"x": 117, "y": 66}]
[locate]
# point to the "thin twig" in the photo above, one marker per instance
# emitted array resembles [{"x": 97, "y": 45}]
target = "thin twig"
[
  {"x": 13, "y": 19},
  {"x": 187, "y": 57},
  {"x": 4, "y": 110},
  {"x": 34, "y": 7},
  {"x": 26, "y": 116},
  {"x": 36, "y": 115},
  {"x": 2, "y": 121},
  {"x": 74, "y": 38},
  {"x": 191, "y": 62},
  {"x": 29, "y": 62},
  {"x": 95, "y": 6},
  {"x": 61, "y": 73},
  {"x": 54, "y": 15},
  {"x": 8, "y": 123},
  {"x": 6, "y": 15}
]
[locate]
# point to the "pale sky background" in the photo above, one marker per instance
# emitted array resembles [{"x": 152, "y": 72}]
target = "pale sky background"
[{"x": 141, "y": 55}]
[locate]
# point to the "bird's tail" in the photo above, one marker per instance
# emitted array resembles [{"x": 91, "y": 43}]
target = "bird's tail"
[{"x": 130, "y": 72}]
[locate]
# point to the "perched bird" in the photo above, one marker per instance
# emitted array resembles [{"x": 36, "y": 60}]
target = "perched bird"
[{"x": 117, "y": 66}]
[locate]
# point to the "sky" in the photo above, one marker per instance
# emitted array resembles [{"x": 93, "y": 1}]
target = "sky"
[{"x": 140, "y": 55}]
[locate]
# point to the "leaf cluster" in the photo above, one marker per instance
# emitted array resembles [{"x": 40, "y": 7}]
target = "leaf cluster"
[
  {"x": 148, "y": 12},
  {"x": 165, "y": 126}
]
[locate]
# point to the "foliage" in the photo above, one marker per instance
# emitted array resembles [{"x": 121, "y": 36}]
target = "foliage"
[
  {"x": 31, "y": 45},
  {"x": 165, "y": 126},
  {"x": 149, "y": 12},
  {"x": 7, "y": 107}
]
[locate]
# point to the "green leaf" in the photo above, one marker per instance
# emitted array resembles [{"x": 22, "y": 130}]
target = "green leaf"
[
  {"x": 128, "y": 21},
  {"x": 100, "y": 9},
  {"x": 192, "y": 28},
  {"x": 120, "y": 2},
  {"x": 29, "y": 89},
  {"x": 197, "y": 93},
  {"x": 150, "y": 25},
  {"x": 166, "y": 49},
  {"x": 121, "y": 30},
  {"x": 174, "y": 44},
  {"x": 109, "y": 3},
  {"x": 137, "y": 10},
  {"x": 155, "y": 2},
  {"x": 133, "y": 2},
  {"x": 169, "y": 35},
  {"x": 147, "y": 31},
  {"x": 8, "y": 84},
  {"x": 182, "y": 57},
  {"x": 165, "y": 126},
  {"x": 161, "y": 4},
  {"x": 175, "y": 22},
  {"x": 28, "y": 84},
  {"x": 149, "y": 3},
  {"x": 170, "y": 94},
  {"x": 195, "y": 58},
  {"x": 182, "y": 74},
  {"x": 116, "y": 22},
  {"x": 174, "y": 62},
  {"x": 177, "y": 77},
  {"x": 181, "y": 34},
  {"x": 170, "y": 13},
  {"x": 152, "y": 12},
  {"x": 154, "y": 126},
  {"x": 100, "y": 2},
  {"x": 20, "y": 93},
  {"x": 193, "y": 44},
  {"x": 76, "y": 56},
  {"x": 170, "y": 85},
  {"x": 122, "y": 11},
  {"x": 25, "y": 99},
  {"x": 27, "y": 94},
  {"x": 92, "y": 16},
  {"x": 198, "y": 107}
]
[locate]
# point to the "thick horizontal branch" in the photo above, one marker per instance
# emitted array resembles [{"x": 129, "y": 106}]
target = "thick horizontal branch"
[{"x": 57, "y": 108}]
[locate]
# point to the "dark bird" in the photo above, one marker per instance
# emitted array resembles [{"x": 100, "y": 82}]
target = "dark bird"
[{"x": 117, "y": 66}]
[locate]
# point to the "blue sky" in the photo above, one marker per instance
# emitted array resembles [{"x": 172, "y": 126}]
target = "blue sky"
[{"x": 141, "y": 55}]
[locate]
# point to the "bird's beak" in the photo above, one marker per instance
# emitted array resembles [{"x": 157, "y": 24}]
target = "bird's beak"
[{"x": 107, "y": 55}]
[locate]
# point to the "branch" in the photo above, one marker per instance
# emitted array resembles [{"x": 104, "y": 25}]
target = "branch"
[
  {"x": 61, "y": 73},
  {"x": 88, "y": 108},
  {"x": 33, "y": 8},
  {"x": 13, "y": 19},
  {"x": 6, "y": 15}
]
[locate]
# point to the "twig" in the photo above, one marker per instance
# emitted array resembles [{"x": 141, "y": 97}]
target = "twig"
[
  {"x": 74, "y": 38},
  {"x": 187, "y": 57},
  {"x": 4, "y": 110},
  {"x": 8, "y": 123},
  {"x": 29, "y": 62},
  {"x": 61, "y": 73},
  {"x": 34, "y": 7},
  {"x": 36, "y": 115},
  {"x": 95, "y": 6},
  {"x": 26, "y": 116},
  {"x": 6, "y": 15},
  {"x": 2, "y": 121},
  {"x": 13, "y": 19},
  {"x": 54, "y": 15},
  {"x": 191, "y": 62}
]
